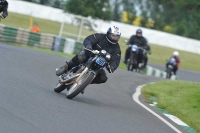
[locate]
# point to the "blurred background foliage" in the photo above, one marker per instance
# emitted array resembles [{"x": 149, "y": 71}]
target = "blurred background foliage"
[{"x": 173, "y": 16}]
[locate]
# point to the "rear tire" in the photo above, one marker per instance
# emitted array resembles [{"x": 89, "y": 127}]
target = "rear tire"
[{"x": 85, "y": 80}]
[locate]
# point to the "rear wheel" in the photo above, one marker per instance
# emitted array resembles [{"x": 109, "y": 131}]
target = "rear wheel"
[{"x": 79, "y": 86}]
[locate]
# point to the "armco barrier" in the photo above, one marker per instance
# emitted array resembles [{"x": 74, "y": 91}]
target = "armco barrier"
[
  {"x": 1, "y": 31},
  {"x": 158, "y": 73},
  {"x": 34, "y": 39},
  {"x": 69, "y": 46},
  {"x": 26, "y": 37},
  {"x": 9, "y": 34},
  {"x": 56, "y": 43},
  {"x": 78, "y": 47},
  {"x": 62, "y": 44},
  {"x": 22, "y": 36},
  {"x": 46, "y": 41}
]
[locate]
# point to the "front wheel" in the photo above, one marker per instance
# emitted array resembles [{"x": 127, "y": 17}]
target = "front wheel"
[
  {"x": 130, "y": 67},
  {"x": 169, "y": 71},
  {"x": 79, "y": 86},
  {"x": 59, "y": 87}
]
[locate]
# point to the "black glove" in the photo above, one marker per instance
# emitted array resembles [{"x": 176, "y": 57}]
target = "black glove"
[
  {"x": 89, "y": 46},
  {"x": 109, "y": 69}
]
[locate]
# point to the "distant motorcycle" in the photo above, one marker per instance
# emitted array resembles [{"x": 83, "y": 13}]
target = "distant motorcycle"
[
  {"x": 170, "y": 67},
  {"x": 78, "y": 78},
  {"x": 136, "y": 60}
]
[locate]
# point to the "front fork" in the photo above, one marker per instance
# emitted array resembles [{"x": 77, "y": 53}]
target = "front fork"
[{"x": 83, "y": 72}]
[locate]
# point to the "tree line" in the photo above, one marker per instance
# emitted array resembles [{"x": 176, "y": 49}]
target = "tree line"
[{"x": 172, "y": 16}]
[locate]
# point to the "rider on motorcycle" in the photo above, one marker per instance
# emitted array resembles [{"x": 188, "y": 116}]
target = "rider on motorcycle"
[
  {"x": 108, "y": 42},
  {"x": 177, "y": 61},
  {"x": 3, "y": 8},
  {"x": 140, "y": 41}
]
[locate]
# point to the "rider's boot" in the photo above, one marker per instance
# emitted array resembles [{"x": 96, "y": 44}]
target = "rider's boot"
[
  {"x": 72, "y": 63},
  {"x": 62, "y": 69},
  {"x": 68, "y": 66},
  {"x": 125, "y": 59},
  {"x": 127, "y": 55}
]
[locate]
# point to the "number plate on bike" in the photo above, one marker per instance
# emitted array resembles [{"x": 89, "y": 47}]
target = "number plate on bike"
[
  {"x": 100, "y": 61},
  {"x": 134, "y": 48}
]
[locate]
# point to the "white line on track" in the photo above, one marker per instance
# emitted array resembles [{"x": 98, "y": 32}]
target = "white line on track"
[{"x": 136, "y": 99}]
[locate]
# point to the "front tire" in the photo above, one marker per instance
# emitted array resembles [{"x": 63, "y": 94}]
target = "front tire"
[
  {"x": 59, "y": 88},
  {"x": 76, "y": 88},
  {"x": 169, "y": 71},
  {"x": 130, "y": 67}
]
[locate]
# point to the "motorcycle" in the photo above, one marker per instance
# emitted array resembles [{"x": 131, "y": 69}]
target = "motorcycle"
[
  {"x": 170, "y": 67},
  {"x": 79, "y": 77},
  {"x": 136, "y": 59}
]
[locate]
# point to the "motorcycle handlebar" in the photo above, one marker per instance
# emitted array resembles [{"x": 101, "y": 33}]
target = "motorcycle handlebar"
[
  {"x": 97, "y": 52},
  {"x": 93, "y": 51}
]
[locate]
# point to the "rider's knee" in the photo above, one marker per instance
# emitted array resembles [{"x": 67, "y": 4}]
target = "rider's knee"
[
  {"x": 103, "y": 79},
  {"x": 82, "y": 56}
]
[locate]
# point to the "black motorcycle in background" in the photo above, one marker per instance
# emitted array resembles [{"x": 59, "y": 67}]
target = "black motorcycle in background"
[
  {"x": 136, "y": 60},
  {"x": 78, "y": 78},
  {"x": 169, "y": 68}
]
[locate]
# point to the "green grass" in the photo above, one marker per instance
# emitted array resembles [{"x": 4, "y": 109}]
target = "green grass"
[
  {"x": 180, "y": 98},
  {"x": 159, "y": 54}
]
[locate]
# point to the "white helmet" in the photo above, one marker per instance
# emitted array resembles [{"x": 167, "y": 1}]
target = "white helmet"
[
  {"x": 113, "y": 30},
  {"x": 175, "y": 53}
]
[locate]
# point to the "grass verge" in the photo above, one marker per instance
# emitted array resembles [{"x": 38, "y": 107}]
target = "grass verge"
[
  {"x": 180, "y": 98},
  {"x": 159, "y": 54}
]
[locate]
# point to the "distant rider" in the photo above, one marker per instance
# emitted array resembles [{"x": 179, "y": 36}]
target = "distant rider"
[
  {"x": 108, "y": 42},
  {"x": 3, "y": 8},
  {"x": 177, "y": 62},
  {"x": 140, "y": 41}
]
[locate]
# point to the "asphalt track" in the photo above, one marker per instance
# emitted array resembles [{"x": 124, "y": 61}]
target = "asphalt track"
[{"x": 28, "y": 103}]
